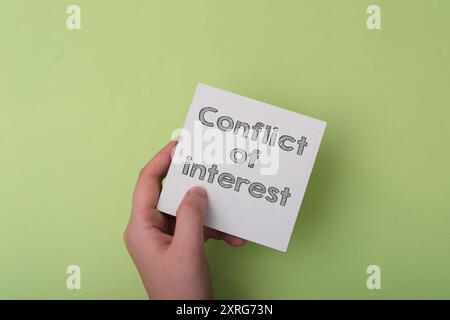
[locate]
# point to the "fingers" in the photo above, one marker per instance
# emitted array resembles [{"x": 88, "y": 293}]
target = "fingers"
[
  {"x": 148, "y": 186},
  {"x": 219, "y": 235},
  {"x": 189, "y": 220}
]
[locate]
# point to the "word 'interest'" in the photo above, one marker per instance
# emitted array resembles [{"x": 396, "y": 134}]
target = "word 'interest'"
[{"x": 229, "y": 181}]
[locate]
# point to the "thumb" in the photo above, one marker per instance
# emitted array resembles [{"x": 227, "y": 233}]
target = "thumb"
[{"x": 189, "y": 222}]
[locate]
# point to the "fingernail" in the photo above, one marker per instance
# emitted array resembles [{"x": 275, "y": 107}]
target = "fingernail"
[
  {"x": 198, "y": 191},
  {"x": 177, "y": 138}
]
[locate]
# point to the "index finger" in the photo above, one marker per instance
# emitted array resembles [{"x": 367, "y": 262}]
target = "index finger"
[{"x": 148, "y": 186}]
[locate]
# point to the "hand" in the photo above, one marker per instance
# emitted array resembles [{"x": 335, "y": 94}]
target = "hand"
[{"x": 169, "y": 253}]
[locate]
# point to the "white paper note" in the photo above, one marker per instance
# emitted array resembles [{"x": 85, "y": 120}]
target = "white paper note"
[{"x": 253, "y": 159}]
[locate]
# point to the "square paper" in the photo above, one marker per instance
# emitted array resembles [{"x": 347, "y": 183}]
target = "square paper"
[{"x": 253, "y": 159}]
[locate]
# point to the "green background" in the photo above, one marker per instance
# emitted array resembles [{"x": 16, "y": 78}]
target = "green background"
[{"x": 82, "y": 111}]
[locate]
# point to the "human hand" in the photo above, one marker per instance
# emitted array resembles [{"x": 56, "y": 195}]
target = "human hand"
[{"x": 169, "y": 252}]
